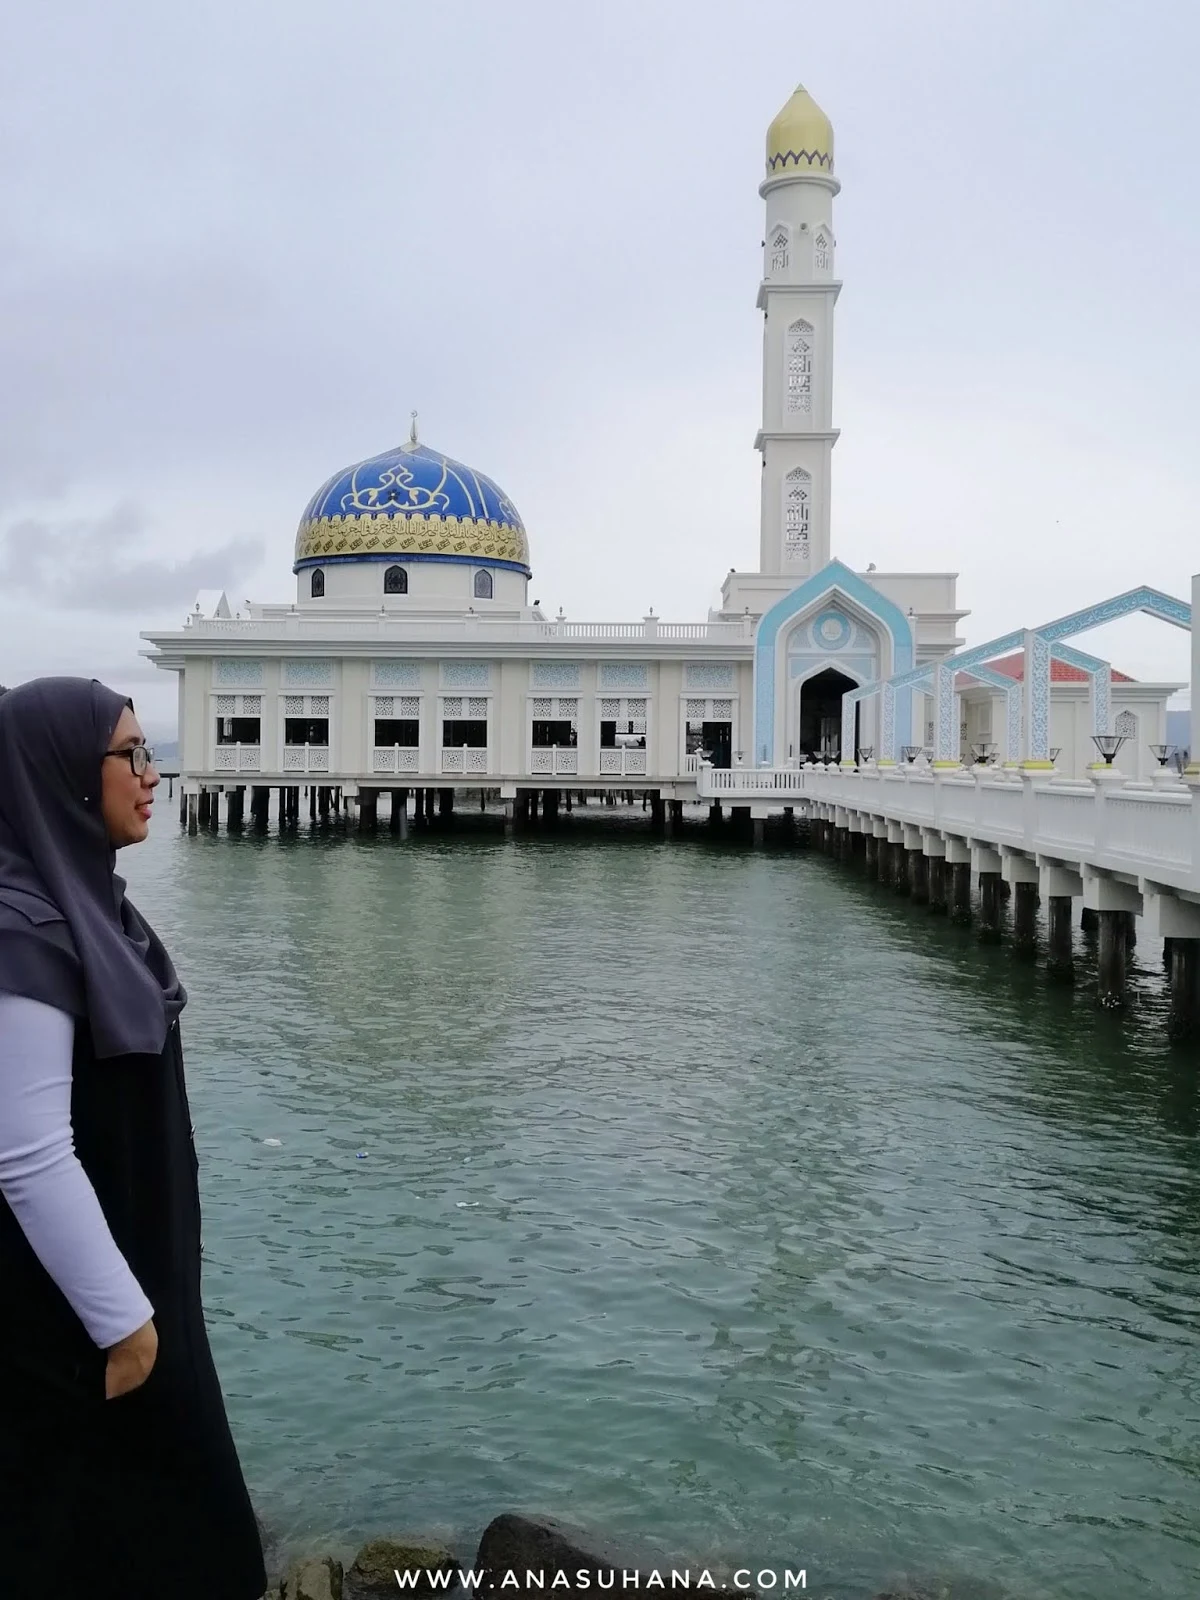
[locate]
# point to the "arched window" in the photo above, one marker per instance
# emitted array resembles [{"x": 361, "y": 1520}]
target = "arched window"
[
  {"x": 395, "y": 581},
  {"x": 1126, "y": 724},
  {"x": 821, "y": 253},
  {"x": 483, "y": 586},
  {"x": 797, "y": 514},
  {"x": 317, "y": 589},
  {"x": 779, "y": 248},
  {"x": 800, "y": 366}
]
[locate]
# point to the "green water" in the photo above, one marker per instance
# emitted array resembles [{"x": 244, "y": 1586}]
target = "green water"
[{"x": 712, "y": 1198}]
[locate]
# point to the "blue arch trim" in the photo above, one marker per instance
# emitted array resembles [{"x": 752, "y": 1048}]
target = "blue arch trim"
[{"x": 834, "y": 578}]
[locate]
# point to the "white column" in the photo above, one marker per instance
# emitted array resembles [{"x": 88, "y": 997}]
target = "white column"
[{"x": 1194, "y": 715}]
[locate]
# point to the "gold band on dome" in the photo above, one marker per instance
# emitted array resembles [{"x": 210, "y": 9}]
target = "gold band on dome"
[{"x": 411, "y": 536}]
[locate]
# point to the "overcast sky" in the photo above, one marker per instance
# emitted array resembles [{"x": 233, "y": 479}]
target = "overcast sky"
[{"x": 239, "y": 243}]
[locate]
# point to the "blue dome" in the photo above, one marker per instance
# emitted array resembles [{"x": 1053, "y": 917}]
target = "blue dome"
[{"x": 412, "y": 502}]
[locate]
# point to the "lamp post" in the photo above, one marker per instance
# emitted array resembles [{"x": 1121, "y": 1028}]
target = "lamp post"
[
  {"x": 1108, "y": 744},
  {"x": 1162, "y": 753},
  {"x": 910, "y": 752},
  {"x": 983, "y": 752},
  {"x": 866, "y": 754}
]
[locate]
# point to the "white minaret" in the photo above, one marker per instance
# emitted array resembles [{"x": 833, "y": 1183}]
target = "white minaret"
[{"x": 797, "y": 296}]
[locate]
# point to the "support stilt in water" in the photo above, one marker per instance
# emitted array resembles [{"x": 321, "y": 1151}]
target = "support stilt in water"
[
  {"x": 1112, "y": 956},
  {"x": 714, "y": 814},
  {"x": 205, "y": 807},
  {"x": 1183, "y": 1020},
  {"x": 445, "y": 803},
  {"x": 759, "y": 830},
  {"x": 871, "y": 855},
  {"x": 918, "y": 877},
  {"x": 183, "y": 807},
  {"x": 1024, "y": 937},
  {"x": 368, "y": 810},
  {"x": 937, "y": 885},
  {"x": 192, "y": 809},
  {"x": 989, "y": 908},
  {"x": 1089, "y": 920},
  {"x": 1060, "y": 959},
  {"x": 902, "y": 872},
  {"x": 960, "y": 892}
]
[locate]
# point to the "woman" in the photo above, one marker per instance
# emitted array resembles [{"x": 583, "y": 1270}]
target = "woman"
[{"x": 118, "y": 1473}]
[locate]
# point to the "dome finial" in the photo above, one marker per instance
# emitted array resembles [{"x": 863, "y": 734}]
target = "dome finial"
[{"x": 412, "y": 432}]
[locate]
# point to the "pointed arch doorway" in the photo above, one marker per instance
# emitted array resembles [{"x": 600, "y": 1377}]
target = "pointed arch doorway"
[{"x": 821, "y": 714}]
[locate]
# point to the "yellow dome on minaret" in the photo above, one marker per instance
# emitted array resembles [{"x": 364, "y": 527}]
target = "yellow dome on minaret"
[{"x": 800, "y": 139}]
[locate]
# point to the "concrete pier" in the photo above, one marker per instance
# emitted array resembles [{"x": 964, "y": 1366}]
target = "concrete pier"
[
  {"x": 989, "y": 908},
  {"x": 1183, "y": 1019},
  {"x": 1060, "y": 954},
  {"x": 1112, "y": 956},
  {"x": 918, "y": 877},
  {"x": 960, "y": 892},
  {"x": 1024, "y": 932},
  {"x": 937, "y": 885}
]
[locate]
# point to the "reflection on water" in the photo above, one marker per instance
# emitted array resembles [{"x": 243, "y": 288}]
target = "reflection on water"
[{"x": 710, "y": 1197}]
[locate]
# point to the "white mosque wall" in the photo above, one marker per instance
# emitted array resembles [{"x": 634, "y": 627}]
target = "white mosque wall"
[
  {"x": 430, "y": 584},
  {"x": 345, "y": 694}
]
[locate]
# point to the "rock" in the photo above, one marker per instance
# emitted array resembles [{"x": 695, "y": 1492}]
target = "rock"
[
  {"x": 545, "y": 1546},
  {"x": 373, "y": 1570},
  {"x": 313, "y": 1578}
]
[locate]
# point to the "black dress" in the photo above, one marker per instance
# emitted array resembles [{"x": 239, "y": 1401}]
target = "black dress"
[{"x": 141, "y": 1497}]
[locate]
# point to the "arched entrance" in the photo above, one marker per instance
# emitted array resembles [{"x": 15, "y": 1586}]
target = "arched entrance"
[{"x": 821, "y": 714}]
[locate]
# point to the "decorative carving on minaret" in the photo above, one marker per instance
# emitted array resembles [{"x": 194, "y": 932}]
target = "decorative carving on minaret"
[
  {"x": 797, "y": 516},
  {"x": 799, "y": 357}
]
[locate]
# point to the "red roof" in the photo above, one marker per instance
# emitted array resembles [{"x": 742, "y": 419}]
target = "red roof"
[{"x": 1060, "y": 671}]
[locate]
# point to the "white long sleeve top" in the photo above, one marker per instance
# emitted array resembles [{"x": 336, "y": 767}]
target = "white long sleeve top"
[{"x": 43, "y": 1181}]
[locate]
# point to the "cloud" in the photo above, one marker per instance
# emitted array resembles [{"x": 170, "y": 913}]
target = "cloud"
[{"x": 94, "y": 564}]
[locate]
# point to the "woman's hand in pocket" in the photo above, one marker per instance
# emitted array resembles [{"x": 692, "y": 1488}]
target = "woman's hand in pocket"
[{"x": 130, "y": 1361}]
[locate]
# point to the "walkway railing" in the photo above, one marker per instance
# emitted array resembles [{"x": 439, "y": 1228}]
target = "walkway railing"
[{"x": 1139, "y": 830}]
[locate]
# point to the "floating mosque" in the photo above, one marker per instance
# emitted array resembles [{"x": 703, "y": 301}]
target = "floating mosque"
[{"x": 411, "y": 659}]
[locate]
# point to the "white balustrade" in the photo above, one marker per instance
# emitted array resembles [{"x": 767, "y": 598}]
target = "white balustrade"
[
  {"x": 622, "y": 762},
  {"x": 395, "y": 758},
  {"x": 553, "y": 761},
  {"x": 465, "y": 759},
  {"x": 306, "y": 758},
  {"x": 498, "y": 630},
  {"x": 238, "y": 758}
]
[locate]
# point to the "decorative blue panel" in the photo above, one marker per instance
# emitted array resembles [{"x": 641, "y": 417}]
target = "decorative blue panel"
[
  {"x": 709, "y": 675},
  {"x": 831, "y": 630},
  {"x": 238, "y": 670},
  {"x": 555, "y": 675},
  {"x": 887, "y": 724},
  {"x": 466, "y": 674},
  {"x": 848, "y": 752},
  {"x": 945, "y": 718},
  {"x": 308, "y": 674},
  {"x": 398, "y": 674},
  {"x": 1102, "y": 701},
  {"x": 1037, "y": 670},
  {"x": 1014, "y": 721},
  {"x": 623, "y": 675}
]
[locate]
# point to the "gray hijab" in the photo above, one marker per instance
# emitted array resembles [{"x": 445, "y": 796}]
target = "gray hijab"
[{"x": 56, "y": 861}]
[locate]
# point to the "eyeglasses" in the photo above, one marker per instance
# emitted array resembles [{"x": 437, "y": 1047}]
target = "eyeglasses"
[{"x": 140, "y": 756}]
